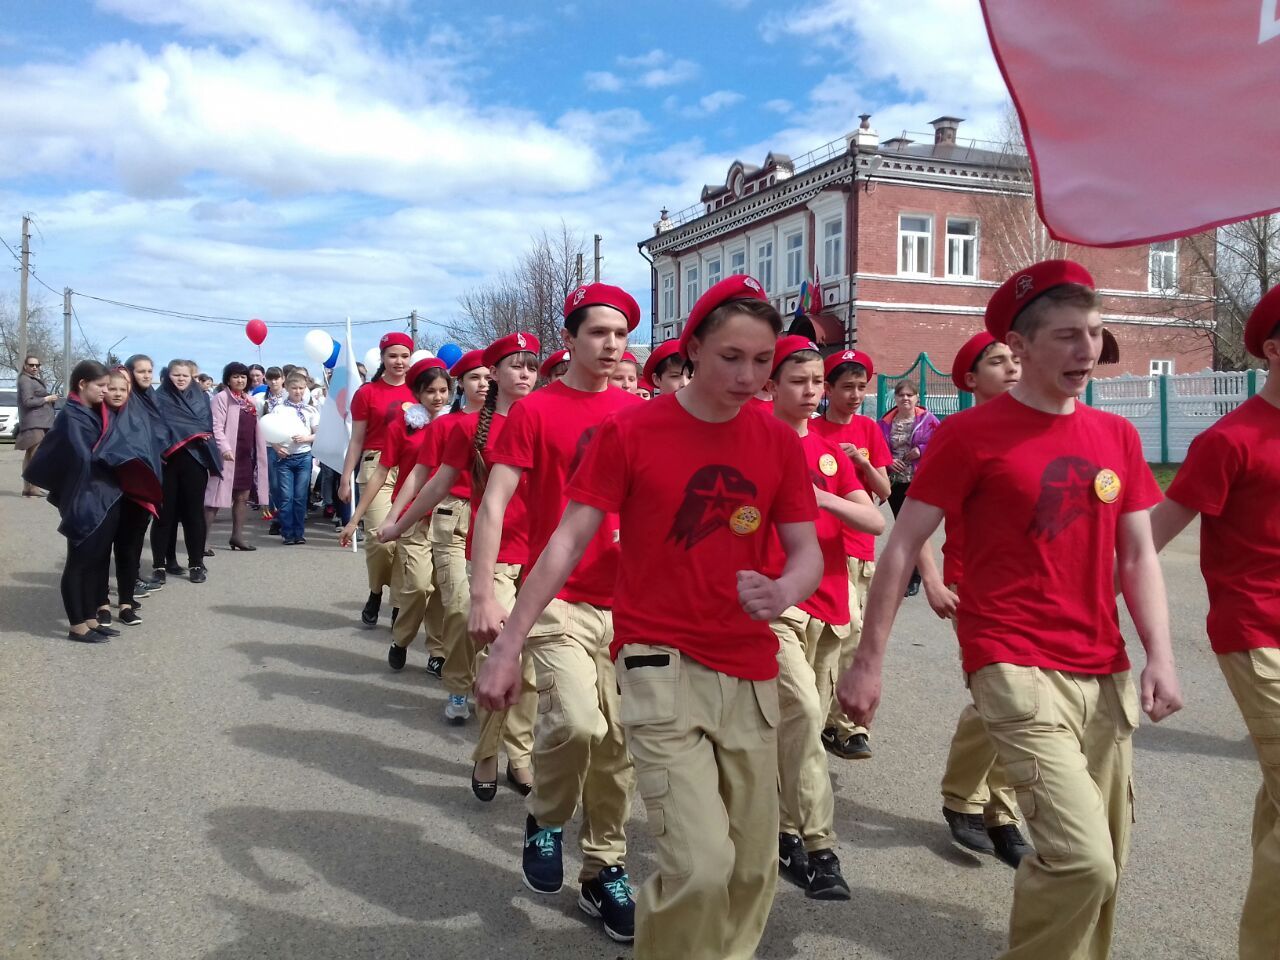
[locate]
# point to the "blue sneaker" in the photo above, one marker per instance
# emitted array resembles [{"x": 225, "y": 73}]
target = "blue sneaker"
[
  {"x": 543, "y": 857},
  {"x": 456, "y": 711},
  {"x": 609, "y": 898}
]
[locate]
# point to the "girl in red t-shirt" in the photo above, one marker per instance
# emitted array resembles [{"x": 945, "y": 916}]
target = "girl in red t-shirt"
[{"x": 373, "y": 408}]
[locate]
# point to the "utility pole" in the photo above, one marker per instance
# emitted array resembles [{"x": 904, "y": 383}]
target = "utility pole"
[
  {"x": 22, "y": 295},
  {"x": 579, "y": 269},
  {"x": 66, "y": 339},
  {"x": 413, "y": 328},
  {"x": 597, "y": 271}
]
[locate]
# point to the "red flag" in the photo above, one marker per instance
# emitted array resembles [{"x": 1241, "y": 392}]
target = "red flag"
[
  {"x": 1147, "y": 119},
  {"x": 816, "y": 306}
]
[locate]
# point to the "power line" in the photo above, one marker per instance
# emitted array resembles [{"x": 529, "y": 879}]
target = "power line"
[{"x": 83, "y": 339}]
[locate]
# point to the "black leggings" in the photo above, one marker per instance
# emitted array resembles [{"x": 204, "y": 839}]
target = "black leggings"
[
  {"x": 84, "y": 578},
  {"x": 130, "y": 534},
  {"x": 184, "y": 483},
  {"x": 897, "y": 495}
]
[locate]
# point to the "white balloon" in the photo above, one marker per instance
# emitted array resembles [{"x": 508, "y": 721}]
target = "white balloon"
[
  {"x": 280, "y": 427},
  {"x": 372, "y": 359},
  {"x": 259, "y": 401},
  {"x": 317, "y": 345},
  {"x": 420, "y": 355}
]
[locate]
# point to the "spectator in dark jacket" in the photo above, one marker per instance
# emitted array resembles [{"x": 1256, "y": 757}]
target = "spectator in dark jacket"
[{"x": 35, "y": 416}]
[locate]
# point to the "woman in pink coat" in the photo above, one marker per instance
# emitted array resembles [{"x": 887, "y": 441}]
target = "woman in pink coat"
[{"x": 244, "y": 454}]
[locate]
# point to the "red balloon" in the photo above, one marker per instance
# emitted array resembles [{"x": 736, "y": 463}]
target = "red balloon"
[{"x": 256, "y": 331}]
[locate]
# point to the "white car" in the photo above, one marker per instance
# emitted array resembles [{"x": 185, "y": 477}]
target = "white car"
[{"x": 8, "y": 414}]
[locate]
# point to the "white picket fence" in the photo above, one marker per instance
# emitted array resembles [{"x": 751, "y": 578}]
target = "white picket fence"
[{"x": 1171, "y": 411}]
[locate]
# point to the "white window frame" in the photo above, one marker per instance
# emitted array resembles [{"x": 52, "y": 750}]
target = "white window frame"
[
  {"x": 1161, "y": 368},
  {"x": 715, "y": 271},
  {"x": 1162, "y": 265},
  {"x": 955, "y": 244},
  {"x": 833, "y": 259},
  {"x": 692, "y": 277},
  {"x": 794, "y": 257},
  {"x": 668, "y": 300},
  {"x": 765, "y": 276},
  {"x": 916, "y": 237},
  {"x": 735, "y": 254}
]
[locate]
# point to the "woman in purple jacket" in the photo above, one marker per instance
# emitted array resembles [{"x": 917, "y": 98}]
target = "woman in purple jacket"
[{"x": 907, "y": 429}]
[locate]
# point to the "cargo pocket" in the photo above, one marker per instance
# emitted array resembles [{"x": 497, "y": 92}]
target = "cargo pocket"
[
  {"x": 654, "y": 787},
  {"x": 766, "y": 692},
  {"x": 1047, "y": 834},
  {"x": 649, "y": 682},
  {"x": 1266, "y": 739},
  {"x": 551, "y": 726},
  {"x": 1133, "y": 803},
  {"x": 1265, "y": 662},
  {"x": 1005, "y": 693},
  {"x": 1130, "y": 713}
]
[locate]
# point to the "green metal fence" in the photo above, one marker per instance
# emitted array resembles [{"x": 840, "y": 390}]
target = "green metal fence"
[{"x": 937, "y": 393}]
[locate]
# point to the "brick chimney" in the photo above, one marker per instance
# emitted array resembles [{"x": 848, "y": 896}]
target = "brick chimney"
[{"x": 944, "y": 129}]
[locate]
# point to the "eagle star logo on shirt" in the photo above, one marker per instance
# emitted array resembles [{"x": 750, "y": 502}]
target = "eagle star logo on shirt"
[
  {"x": 716, "y": 496},
  {"x": 1024, "y": 285},
  {"x": 1066, "y": 492},
  {"x": 749, "y": 282},
  {"x": 579, "y": 295}
]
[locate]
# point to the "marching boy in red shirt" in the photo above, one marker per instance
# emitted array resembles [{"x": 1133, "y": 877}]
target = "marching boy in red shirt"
[
  {"x": 811, "y": 633},
  {"x": 695, "y": 658},
  {"x": 1060, "y": 492},
  {"x": 1231, "y": 477},
  {"x": 578, "y": 751}
]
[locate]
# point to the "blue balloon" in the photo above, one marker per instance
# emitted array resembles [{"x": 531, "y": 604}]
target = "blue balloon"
[
  {"x": 333, "y": 357},
  {"x": 450, "y": 353},
  {"x": 260, "y": 388}
]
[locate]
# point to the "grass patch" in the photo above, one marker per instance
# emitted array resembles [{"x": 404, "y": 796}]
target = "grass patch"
[{"x": 1164, "y": 473}]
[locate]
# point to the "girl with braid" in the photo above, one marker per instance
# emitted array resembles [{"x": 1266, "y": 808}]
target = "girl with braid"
[{"x": 513, "y": 361}]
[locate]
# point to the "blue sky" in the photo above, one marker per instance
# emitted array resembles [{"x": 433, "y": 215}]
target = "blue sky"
[{"x": 302, "y": 160}]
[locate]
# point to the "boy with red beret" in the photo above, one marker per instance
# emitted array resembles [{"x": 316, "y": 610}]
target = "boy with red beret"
[
  {"x": 847, "y": 374},
  {"x": 1060, "y": 492},
  {"x": 578, "y": 753},
  {"x": 665, "y": 368},
  {"x": 1231, "y": 477},
  {"x": 812, "y": 633},
  {"x": 695, "y": 658},
  {"x": 554, "y": 367},
  {"x": 977, "y": 802}
]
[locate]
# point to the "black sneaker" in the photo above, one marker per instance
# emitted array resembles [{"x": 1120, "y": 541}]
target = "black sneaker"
[
  {"x": 154, "y": 584},
  {"x": 609, "y": 898},
  {"x": 104, "y": 616},
  {"x": 968, "y": 831},
  {"x": 913, "y": 586},
  {"x": 199, "y": 575},
  {"x": 130, "y": 618},
  {"x": 89, "y": 636},
  {"x": 104, "y": 631},
  {"x": 1009, "y": 843},
  {"x": 396, "y": 656},
  {"x": 793, "y": 862},
  {"x": 141, "y": 590},
  {"x": 825, "y": 881},
  {"x": 274, "y": 529},
  {"x": 369, "y": 615},
  {"x": 158, "y": 575},
  {"x": 435, "y": 666},
  {"x": 543, "y": 861},
  {"x": 175, "y": 569},
  {"x": 856, "y": 747}
]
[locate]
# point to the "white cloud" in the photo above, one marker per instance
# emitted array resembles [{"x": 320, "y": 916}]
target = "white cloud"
[
  {"x": 779, "y": 106},
  {"x": 673, "y": 73},
  {"x": 719, "y": 100},
  {"x": 653, "y": 58},
  {"x": 602, "y": 81}
]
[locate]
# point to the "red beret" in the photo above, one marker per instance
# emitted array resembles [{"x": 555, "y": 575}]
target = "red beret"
[
  {"x": 737, "y": 287},
  {"x": 848, "y": 356},
  {"x": 506, "y": 346},
  {"x": 604, "y": 295},
  {"x": 1262, "y": 322},
  {"x": 787, "y": 346},
  {"x": 629, "y": 357},
  {"x": 668, "y": 348},
  {"x": 647, "y": 384},
  {"x": 557, "y": 358},
  {"x": 1018, "y": 291},
  {"x": 421, "y": 367},
  {"x": 395, "y": 340},
  {"x": 967, "y": 357},
  {"x": 468, "y": 361}
]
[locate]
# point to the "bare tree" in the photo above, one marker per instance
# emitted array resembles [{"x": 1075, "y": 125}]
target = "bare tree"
[
  {"x": 44, "y": 339},
  {"x": 530, "y": 297}
]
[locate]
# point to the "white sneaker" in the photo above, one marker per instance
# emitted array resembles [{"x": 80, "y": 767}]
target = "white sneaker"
[{"x": 457, "y": 711}]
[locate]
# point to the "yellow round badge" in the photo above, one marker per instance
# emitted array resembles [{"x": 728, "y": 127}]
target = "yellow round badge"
[
  {"x": 745, "y": 521},
  {"x": 406, "y": 405},
  {"x": 1107, "y": 486},
  {"x": 827, "y": 464},
  {"x": 866, "y": 454}
]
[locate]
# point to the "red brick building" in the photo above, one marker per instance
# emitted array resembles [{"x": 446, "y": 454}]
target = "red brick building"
[{"x": 907, "y": 240}]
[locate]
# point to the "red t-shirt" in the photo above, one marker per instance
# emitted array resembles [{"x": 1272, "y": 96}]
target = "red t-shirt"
[
  {"x": 432, "y": 453},
  {"x": 1231, "y": 478},
  {"x": 952, "y": 549},
  {"x": 378, "y": 404},
  {"x": 1038, "y": 587},
  {"x": 546, "y": 435},
  {"x": 830, "y": 470},
  {"x": 460, "y": 453},
  {"x": 864, "y": 433},
  {"x": 401, "y": 449},
  {"x": 697, "y": 502}
]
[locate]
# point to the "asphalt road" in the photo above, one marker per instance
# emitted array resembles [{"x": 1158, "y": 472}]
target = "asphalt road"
[{"x": 243, "y": 777}]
